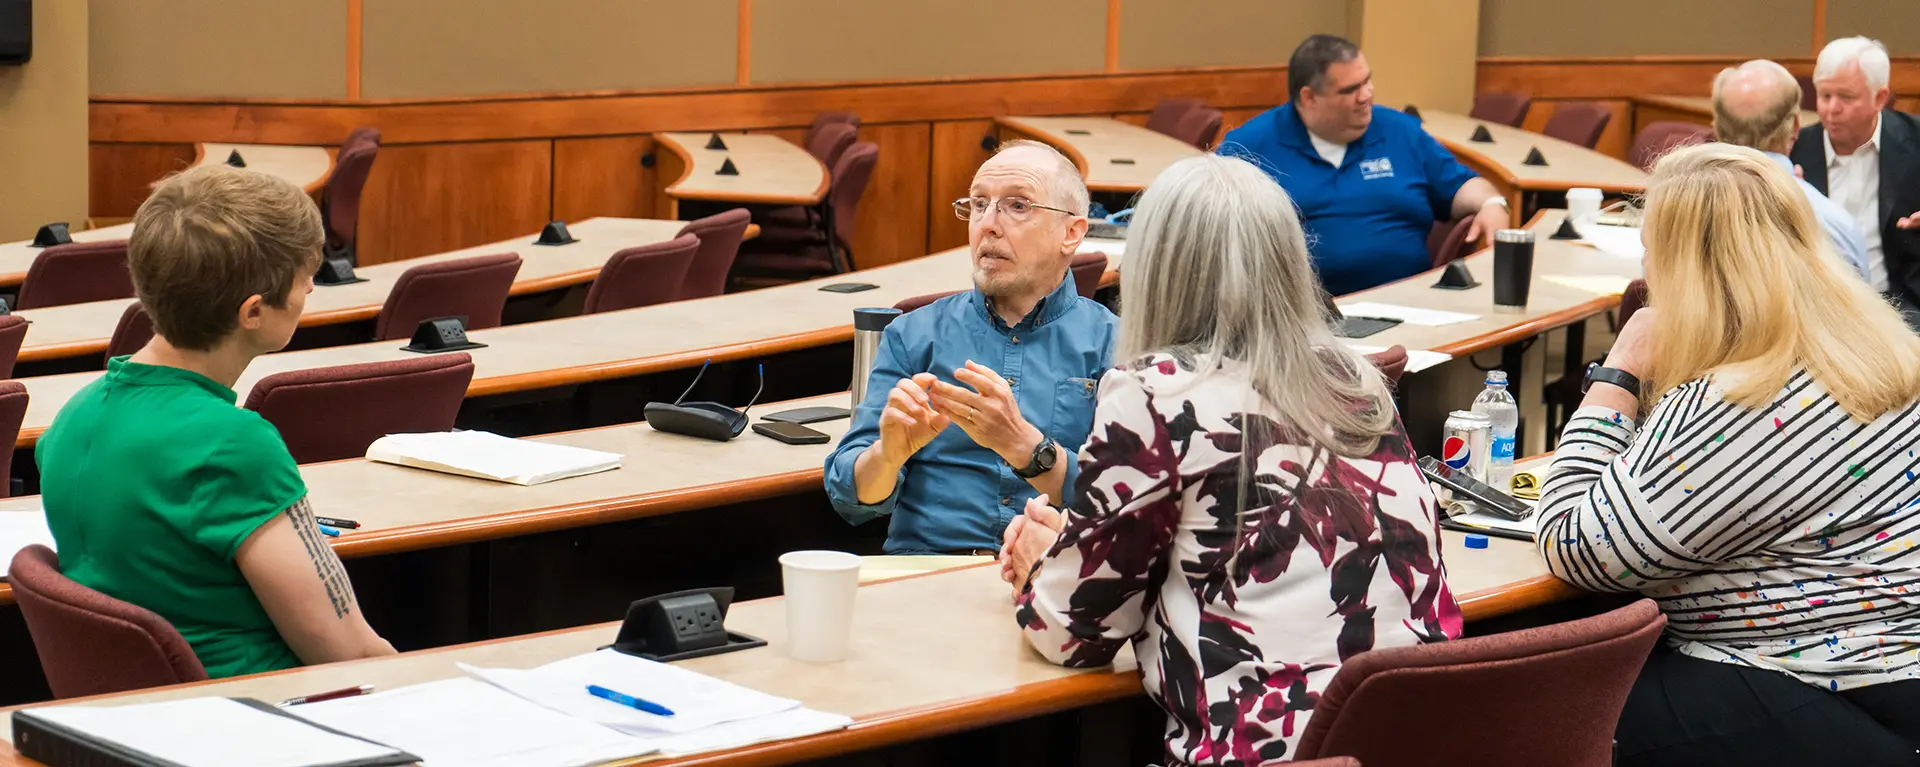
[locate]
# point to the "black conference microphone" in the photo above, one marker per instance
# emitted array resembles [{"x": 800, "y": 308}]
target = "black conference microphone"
[{"x": 706, "y": 420}]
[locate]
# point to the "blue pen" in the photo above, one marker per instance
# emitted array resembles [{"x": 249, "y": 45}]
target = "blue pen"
[
  {"x": 628, "y": 700},
  {"x": 329, "y": 532}
]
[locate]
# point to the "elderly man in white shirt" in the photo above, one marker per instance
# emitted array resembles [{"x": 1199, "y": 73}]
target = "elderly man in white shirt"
[{"x": 1866, "y": 157}]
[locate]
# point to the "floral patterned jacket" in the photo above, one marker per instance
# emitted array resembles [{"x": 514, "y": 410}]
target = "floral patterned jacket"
[{"x": 1238, "y": 621}]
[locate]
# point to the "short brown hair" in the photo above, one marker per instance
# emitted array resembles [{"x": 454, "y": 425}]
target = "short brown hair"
[{"x": 209, "y": 238}]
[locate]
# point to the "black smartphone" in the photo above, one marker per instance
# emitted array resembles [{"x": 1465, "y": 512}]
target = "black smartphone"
[
  {"x": 1482, "y": 494},
  {"x": 808, "y": 415},
  {"x": 790, "y": 433},
  {"x": 848, "y": 287}
]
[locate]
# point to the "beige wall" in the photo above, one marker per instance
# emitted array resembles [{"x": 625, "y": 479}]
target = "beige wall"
[
  {"x": 43, "y": 125},
  {"x": 425, "y": 48},
  {"x": 822, "y": 40},
  {"x": 241, "y": 48},
  {"x": 1777, "y": 28},
  {"x": 1894, "y": 22},
  {"x": 1422, "y": 51},
  {"x": 1167, "y": 34}
]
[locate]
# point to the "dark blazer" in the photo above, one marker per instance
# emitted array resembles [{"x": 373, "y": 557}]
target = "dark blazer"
[{"x": 1899, "y": 193}]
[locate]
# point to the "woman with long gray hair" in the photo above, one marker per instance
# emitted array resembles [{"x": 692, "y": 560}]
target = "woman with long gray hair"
[{"x": 1248, "y": 503}]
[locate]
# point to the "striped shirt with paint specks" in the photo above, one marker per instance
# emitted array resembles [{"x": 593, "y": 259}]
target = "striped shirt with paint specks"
[{"x": 1783, "y": 537}]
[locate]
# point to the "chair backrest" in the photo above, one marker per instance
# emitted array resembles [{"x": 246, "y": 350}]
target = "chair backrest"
[
  {"x": 90, "y": 643},
  {"x": 134, "y": 331},
  {"x": 1166, "y": 114},
  {"x": 13, "y": 412},
  {"x": 1809, "y": 97},
  {"x": 1088, "y": 267},
  {"x": 340, "y": 203},
  {"x": 1332, "y": 761},
  {"x": 76, "y": 274},
  {"x": 325, "y": 414},
  {"x": 909, "y": 304},
  {"x": 850, "y": 178},
  {"x": 475, "y": 288},
  {"x": 720, "y": 236},
  {"x": 1509, "y": 109},
  {"x": 1392, "y": 363},
  {"x": 1568, "y": 679},
  {"x": 830, "y": 117},
  {"x": 1662, "y": 137},
  {"x": 13, "y": 333},
  {"x": 831, "y": 141},
  {"x": 1632, "y": 300},
  {"x": 642, "y": 276},
  {"x": 1199, "y": 127},
  {"x": 1578, "y": 122},
  {"x": 1448, "y": 240}
]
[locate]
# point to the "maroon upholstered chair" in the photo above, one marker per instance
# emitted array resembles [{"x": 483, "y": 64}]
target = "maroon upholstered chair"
[
  {"x": 1088, "y": 268},
  {"x": 909, "y": 304},
  {"x": 823, "y": 119},
  {"x": 720, "y": 235},
  {"x": 325, "y": 414},
  {"x": 785, "y": 255},
  {"x": 1448, "y": 240},
  {"x": 827, "y": 144},
  {"x": 1166, "y": 115},
  {"x": 1200, "y": 127},
  {"x": 90, "y": 643},
  {"x": 13, "y": 332},
  {"x": 340, "y": 202},
  {"x": 1392, "y": 363},
  {"x": 475, "y": 288},
  {"x": 76, "y": 274},
  {"x": 1578, "y": 122},
  {"x": 134, "y": 331},
  {"x": 1568, "y": 679},
  {"x": 1509, "y": 109},
  {"x": 1633, "y": 300},
  {"x": 1809, "y": 96},
  {"x": 13, "y": 411},
  {"x": 1662, "y": 137},
  {"x": 831, "y": 140},
  {"x": 642, "y": 276}
]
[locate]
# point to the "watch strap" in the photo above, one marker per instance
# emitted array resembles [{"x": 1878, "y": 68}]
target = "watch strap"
[
  {"x": 1034, "y": 467},
  {"x": 1615, "y": 376}
]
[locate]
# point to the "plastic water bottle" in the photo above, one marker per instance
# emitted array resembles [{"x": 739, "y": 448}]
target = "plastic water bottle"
[{"x": 1498, "y": 405}]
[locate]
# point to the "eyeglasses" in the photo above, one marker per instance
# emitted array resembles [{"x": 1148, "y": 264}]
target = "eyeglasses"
[{"x": 1015, "y": 209}]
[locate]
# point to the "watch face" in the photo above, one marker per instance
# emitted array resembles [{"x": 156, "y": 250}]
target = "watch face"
[{"x": 1048, "y": 451}]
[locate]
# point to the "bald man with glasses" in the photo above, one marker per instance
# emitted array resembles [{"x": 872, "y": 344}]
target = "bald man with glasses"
[{"x": 981, "y": 400}]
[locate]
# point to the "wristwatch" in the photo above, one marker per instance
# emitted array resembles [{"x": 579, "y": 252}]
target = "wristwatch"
[
  {"x": 1615, "y": 376},
  {"x": 1497, "y": 200},
  {"x": 1044, "y": 455}
]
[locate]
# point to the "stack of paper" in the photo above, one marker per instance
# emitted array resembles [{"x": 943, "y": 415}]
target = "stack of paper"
[
  {"x": 20, "y": 529},
  {"x": 215, "y": 732},
  {"x": 467, "y": 723},
  {"x": 1417, "y": 359},
  {"x": 1599, "y": 284},
  {"x": 1622, "y": 241},
  {"x": 490, "y": 456},
  {"x": 1408, "y": 314}
]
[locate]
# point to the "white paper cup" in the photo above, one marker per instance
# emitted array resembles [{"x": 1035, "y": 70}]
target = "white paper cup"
[
  {"x": 1583, "y": 206},
  {"x": 820, "y": 588}
]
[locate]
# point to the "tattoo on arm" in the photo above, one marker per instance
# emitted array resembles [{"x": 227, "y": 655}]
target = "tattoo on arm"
[{"x": 325, "y": 563}]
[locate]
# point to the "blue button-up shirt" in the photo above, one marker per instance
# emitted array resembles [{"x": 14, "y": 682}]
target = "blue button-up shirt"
[
  {"x": 1839, "y": 224},
  {"x": 1367, "y": 221},
  {"x": 955, "y": 494}
]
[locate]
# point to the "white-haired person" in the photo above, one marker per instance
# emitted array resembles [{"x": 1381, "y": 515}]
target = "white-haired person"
[
  {"x": 1746, "y": 457},
  {"x": 1249, "y": 512}
]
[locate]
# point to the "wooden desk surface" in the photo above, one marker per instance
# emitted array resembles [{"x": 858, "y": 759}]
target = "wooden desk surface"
[
  {"x": 306, "y": 167},
  {"x": 1699, "y": 108},
  {"x": 16, "y": 257},
  {"x": 1503, "y": 161},
  {"x": 1094, "y": 143},
  {"x": 889, "y": 684},
  {"x": 79, "y": 329},
  {"x": 772, "y": 170}
]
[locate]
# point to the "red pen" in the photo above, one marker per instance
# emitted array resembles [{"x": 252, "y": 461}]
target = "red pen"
[{"x": 329, "y": 695}]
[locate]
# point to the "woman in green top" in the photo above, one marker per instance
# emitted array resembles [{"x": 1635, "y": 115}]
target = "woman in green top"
[{"x": 158, "y": 490}]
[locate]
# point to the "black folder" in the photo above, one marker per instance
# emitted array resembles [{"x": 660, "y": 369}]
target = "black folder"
[{"x": 56, "y": 745}]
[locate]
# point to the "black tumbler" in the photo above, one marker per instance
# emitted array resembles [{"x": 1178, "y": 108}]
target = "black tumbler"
[{"x": 1512, "y": 267}]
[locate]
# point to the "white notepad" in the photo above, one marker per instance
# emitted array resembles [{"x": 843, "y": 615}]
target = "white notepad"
[
  {"x": 464, "y": 722},
  {"x": 20, "y": 529},
  {"x": 1417, "y": 359},
  {"x": 214, "y": 732},
  {"x": 1408, "y": 314},
  {"x": 697, "y": 700},
  {"x": 1598, "y": 284},
  {"x": 490, "y": 456},
  {"x": 1622, "y": 241}
]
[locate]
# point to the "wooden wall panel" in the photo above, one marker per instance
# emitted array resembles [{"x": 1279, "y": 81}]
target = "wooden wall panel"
[
  {"x": 892, "y": 225},
  {"x": 1894, "y": 22},
  {"x": 1745, "y": 28},
  {"x": 429, "y": 48},
  {"x": 252, "y": 49},
  {"x": 957, "y": 153},
  {"x": 1166, "y": 34},
  {"x": 43, "y": 121},
  {"x": 123, "y": 174},
  {"x": 432, "y": 198},
  {"x": 1614, "y": 141},
  {"x": 602, "y": 177},
  {"x": 826, "y": 40}
]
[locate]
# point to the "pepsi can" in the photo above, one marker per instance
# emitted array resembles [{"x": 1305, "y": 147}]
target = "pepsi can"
[{"x": 1467, "y": 443}]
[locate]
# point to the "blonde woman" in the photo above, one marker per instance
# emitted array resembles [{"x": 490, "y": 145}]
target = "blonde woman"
[
  {"x": 1249, "y": 509},
  {"x": 1768, "y": 499}
]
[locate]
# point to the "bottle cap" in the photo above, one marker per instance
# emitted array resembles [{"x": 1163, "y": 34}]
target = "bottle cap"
[
  {"x": 1476, "y": 541},
  {"x": 1497, "y": 376}
]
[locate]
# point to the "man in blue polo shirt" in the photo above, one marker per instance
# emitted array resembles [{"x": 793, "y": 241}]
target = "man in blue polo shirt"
[{"x": 1369, "y": 181}]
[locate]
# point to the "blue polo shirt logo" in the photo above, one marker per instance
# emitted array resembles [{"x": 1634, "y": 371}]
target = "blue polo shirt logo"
[{"x": 1372, "y": 169}]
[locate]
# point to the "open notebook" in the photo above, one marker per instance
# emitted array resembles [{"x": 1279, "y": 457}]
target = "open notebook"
[
  {"x": 490, "y": 456},
  {"x": 20, "y": 529}
]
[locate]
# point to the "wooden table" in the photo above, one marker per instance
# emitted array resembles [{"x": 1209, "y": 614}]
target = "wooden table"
[
  {"x": 306, "y": 167},
  {"x": 1688, "y": 109},
  {"x": 771, "y": 171},
  {"x": 80, "y": 329},
  {"x": 1503, "y": 161},
  {"x": 1113, "y": 156}
]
